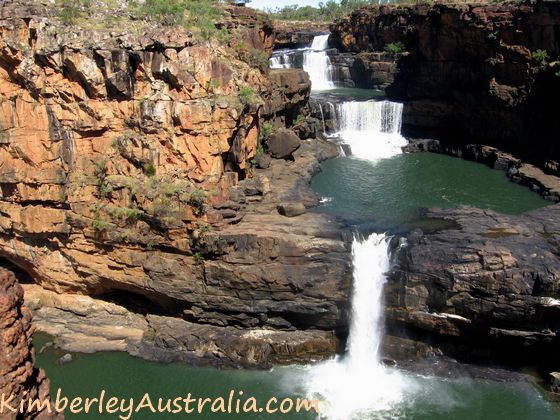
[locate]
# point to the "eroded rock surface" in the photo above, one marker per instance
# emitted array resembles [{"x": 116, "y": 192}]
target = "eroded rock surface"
[
  {"x": 128, "y": 176},
  {"x": 18, "y": 376},
  {"x": 489, "y": 288}
]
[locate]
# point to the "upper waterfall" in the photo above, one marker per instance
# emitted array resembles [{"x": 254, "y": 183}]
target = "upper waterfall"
[
  {"x": 317, "y": 63},
  {"x": 371, "y": 128},
  {"x": 314, "y": 60}
]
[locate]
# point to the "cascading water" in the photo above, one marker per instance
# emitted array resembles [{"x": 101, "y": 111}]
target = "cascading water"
[
  {"x": 282, "y": 61},
  {"x": 317, "y": 63},
  {"x": 314, "y": 61},
  {"x": 370, "y": 128},
  {"x": 359, "y": 384}
]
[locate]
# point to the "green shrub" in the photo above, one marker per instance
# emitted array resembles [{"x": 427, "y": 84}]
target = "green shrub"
[
  {"x": 327, "y": 11},
  {"x": 540, "y": 58},
  {"x": 100, "y": 173},
  {"x": 196, "y": 200},
  {"x": 394, "y": 48},
  {"x": 72, "y": 10},
  {"x": 198, "y": 257},
  {"x": 125, "y": 213},
  {"x": 252, "y": 56},
  {"x": 167, "y": 12},
  {"x": 247, "y": 95},
  {"x": 149, "y": 170},
  {"x": 265, "y": 131},
  {"x": 99, "y": 224},
  {"x": 204, "y": 227},
  {"x": 300, "y": 119},
  {"x": 212, "y": 85}
]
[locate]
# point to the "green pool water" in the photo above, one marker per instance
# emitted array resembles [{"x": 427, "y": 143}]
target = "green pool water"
[
  {"x": 127, "y": 377},
  {"x": 387, "y": 194},
  {"x": 391, "y": 193}
]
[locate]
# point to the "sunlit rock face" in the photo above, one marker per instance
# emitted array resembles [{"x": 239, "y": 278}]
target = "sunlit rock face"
[{"x": 128, "y": 175}]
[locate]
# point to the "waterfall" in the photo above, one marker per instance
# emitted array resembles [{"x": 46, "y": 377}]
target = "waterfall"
[
  {"x": 314, "y": 60},
  {"x": 359, "y": 384},
  {"x": 281, "y": 61},
  {"x": 371, "y": 128},
  {"x": 317, "y": 63}
]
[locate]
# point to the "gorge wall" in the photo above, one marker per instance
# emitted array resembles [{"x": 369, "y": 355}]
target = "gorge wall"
[
  {"x": 18, "y": 377},
  {"x": 468, "y": 72},
  {"x": 128, "y": 175},
  {"x": 486, "y": 288}
]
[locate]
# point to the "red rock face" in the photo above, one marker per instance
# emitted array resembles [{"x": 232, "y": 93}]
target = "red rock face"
[
  {"x": 18, "y": 376},
  {"x": 469, "y": 74}
]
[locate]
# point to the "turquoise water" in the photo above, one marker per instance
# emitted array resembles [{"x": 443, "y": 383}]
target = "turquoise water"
[
  {"x": 128, "y": 377},
  {"x": 391, "y": 193}
]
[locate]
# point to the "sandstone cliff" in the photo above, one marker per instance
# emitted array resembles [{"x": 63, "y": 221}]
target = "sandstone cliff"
[
  {"x": 471, "y": 72},
  {"x": 18, "y": 376},
  {"x": 128, "y": 174}
]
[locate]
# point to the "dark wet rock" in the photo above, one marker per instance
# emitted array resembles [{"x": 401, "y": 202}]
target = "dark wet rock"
[{"x": 488, "y": 288}]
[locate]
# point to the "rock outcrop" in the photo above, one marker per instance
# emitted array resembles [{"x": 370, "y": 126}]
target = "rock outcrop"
[
  {"x": 488, "y": 287},
  {"x": 297, "y": 34},
  {"x": 18, "y": 376},
  {"x": 128, "y": 175},
  {"x": 276, "y": 293},
  {"x": 472, "y": 71}
]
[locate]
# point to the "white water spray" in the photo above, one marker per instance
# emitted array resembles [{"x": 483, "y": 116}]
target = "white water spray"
[
  {"x": 371, "y": 128},
  {"x": 358, "y": 385}
]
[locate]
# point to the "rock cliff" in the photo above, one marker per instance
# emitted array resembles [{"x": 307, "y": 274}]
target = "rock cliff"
[
  {"x": 297, "y": 34},
  {"x": 469, "y": 71},
  {"x": 487, "y": 287},
  {"x": 18, "y": 377},
  {"x": 128, "y": 174}
]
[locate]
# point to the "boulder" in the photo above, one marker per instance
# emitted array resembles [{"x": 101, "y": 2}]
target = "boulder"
[
  {"x": 555, "y": 382},
  {"x": 282, "y": 144},
  {"x": 291, "y": 209},
  {"x": 263, "y": 161}
]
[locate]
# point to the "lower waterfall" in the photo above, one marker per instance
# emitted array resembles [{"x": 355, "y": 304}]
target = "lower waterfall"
[{"x": 357, "y": 384}]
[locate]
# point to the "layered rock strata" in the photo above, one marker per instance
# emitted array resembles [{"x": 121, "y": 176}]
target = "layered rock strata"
[
  {"x": 129, "y": 176},
  {"x": 487, "y": 72},
  {"x": 487, "y": 288},
  {"x": 277, "y": 294}
]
